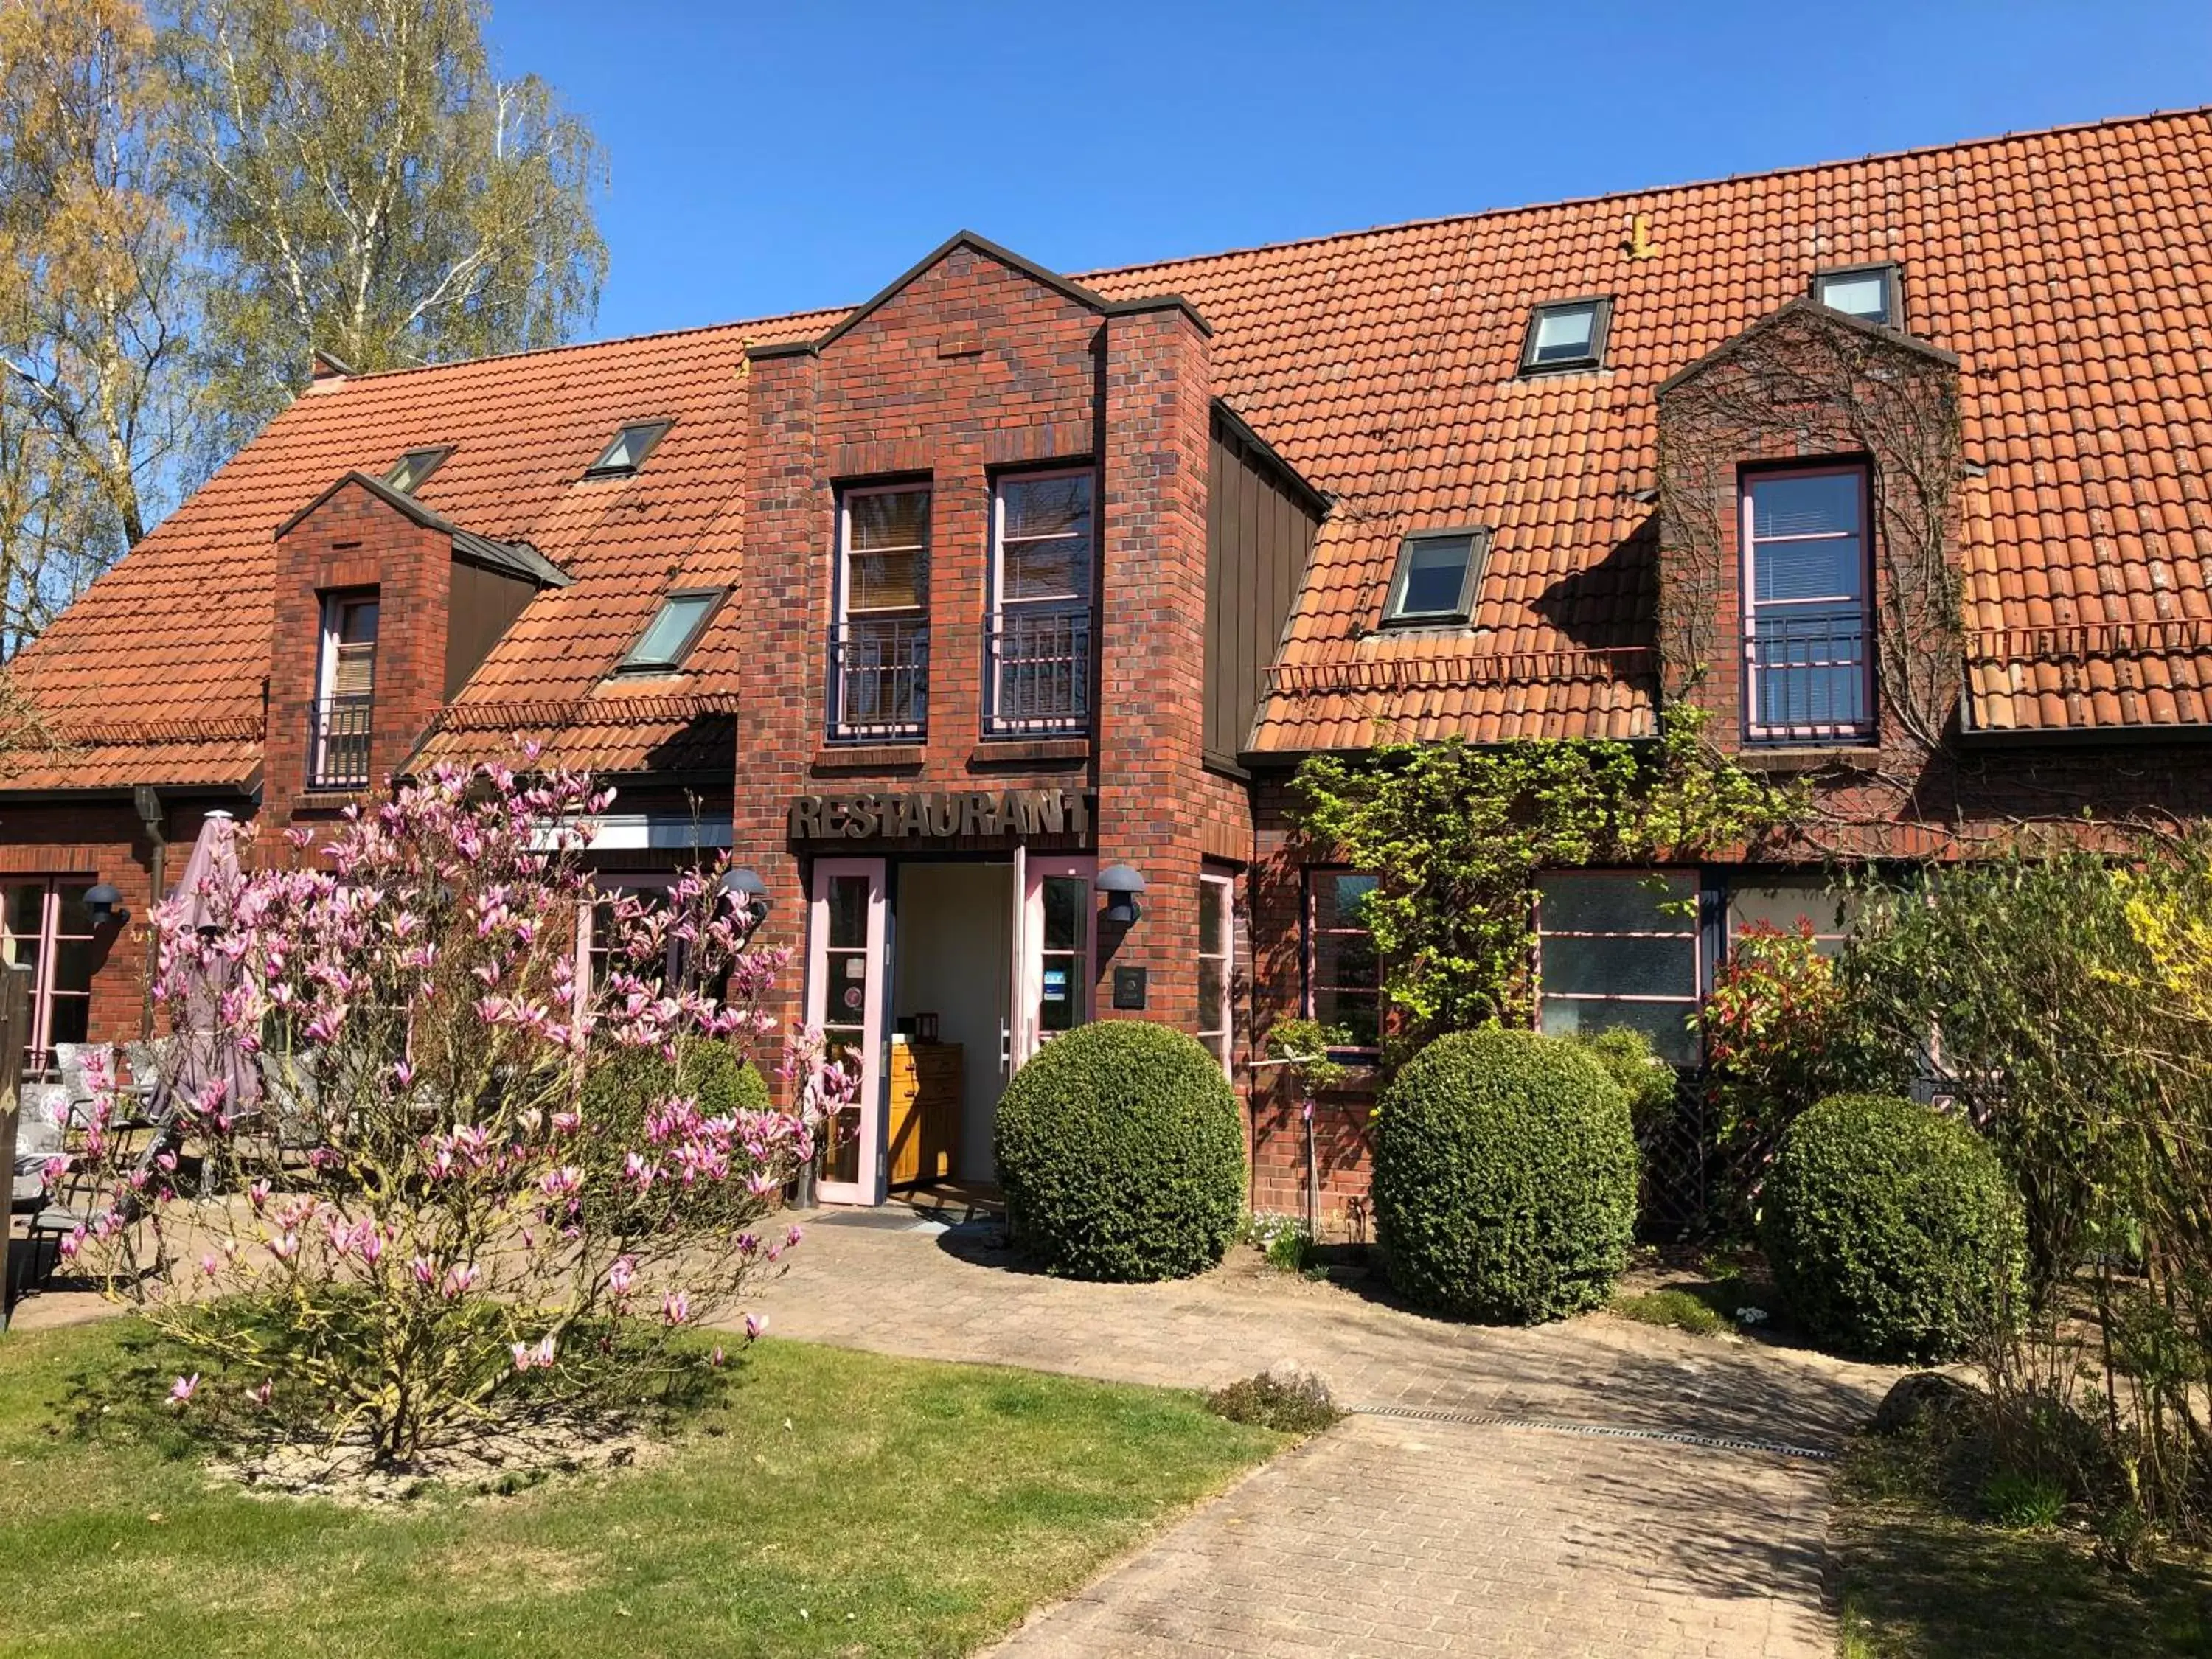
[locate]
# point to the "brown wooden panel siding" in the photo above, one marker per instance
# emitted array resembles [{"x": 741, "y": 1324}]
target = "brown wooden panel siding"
[
  {"x": 1259, "y": 536},
  {"x": 482, "y": 605}
]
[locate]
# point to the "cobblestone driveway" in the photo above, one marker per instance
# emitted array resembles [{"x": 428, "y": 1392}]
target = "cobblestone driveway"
[{"x": 1391, "y": 1535}]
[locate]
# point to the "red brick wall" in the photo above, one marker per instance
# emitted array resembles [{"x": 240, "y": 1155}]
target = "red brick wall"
[
  {"x": 104, "y": 841},
  {"x": 352, "y": 541},
  {"x": 1154, "y": 789},
  {"x": 974, "y": 366}
]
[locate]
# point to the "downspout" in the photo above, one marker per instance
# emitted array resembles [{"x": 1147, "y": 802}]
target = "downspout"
[{"x": 148, "y": 800}]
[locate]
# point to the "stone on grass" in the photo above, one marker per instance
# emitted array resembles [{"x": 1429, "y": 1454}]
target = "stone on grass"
[{"x": 1924, "y": 1399}]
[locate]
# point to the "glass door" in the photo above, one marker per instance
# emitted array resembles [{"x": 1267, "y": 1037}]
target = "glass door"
[
  {"x": 845, "y": 998},
  {"x": 1057, "y": 943}
]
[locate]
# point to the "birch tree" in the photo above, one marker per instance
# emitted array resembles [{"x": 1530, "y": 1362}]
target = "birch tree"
[
  {"x": 366, "y": 186},
  {"x": 98, "y": 427}
]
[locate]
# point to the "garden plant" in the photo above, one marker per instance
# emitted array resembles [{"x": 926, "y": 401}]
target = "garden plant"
[
  {"x": 1120, "y": 1151},
  {"x": 1894, "y": 1229},
  {"x": 1505, "y": 1174},
  {"x": 445, "y": 1215}
]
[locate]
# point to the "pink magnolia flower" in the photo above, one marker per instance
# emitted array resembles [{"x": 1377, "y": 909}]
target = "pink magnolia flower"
[
  {"x": 675, "y": 1307},
  {"x": 181, "y": 1390},
  {"x": 756, "y": 1324},
  {"x": 622, "y": 1276},
  {"x": 715, "y": 1358},
  {"x": 259, "y": 1394},
  {"x": 459, "y": 1281}
]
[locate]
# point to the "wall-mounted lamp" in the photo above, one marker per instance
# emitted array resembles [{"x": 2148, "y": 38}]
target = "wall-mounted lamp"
[
  {"x": 104, "y": 904},
  {"x": 1120, "y": 884},
  {"x": 746, "y": 889}
]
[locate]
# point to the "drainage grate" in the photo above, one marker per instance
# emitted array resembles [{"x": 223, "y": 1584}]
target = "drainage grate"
[
  {"x": 900, "y": 1221},
  {"x": 1597, "y": 1431}
]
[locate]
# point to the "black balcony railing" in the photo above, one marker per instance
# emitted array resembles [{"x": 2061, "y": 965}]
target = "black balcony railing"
[
  {"x": 1805, "y": 675},
  {"x": 1040, "y": 671},
  {"x": 338, "y": 742},
  {"x": 879, "y": 680}
]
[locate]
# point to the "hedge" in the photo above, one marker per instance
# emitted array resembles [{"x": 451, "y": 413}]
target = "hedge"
[
  {"x": 1120, "y": 1151},
  {"x": 1892, "y": 1228},
  {"x": 1505, "y": 1177}
]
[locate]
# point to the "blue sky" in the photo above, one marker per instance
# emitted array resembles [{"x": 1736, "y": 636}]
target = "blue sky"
[{"x": 776, "y": 158}]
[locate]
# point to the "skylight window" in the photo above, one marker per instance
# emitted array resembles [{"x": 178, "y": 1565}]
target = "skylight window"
[
  {"x": 1566, "y": 334},
  {"x": 627, "y": 452},
  {"x": 413, "y": 470},
  {"x": 674, "y": 629},
  {"x": 1436, "y": 578},
  {"x": 1868, "y": 292}
]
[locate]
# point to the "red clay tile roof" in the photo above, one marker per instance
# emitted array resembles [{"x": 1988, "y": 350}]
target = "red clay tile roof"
[{"x": 2070, "y": 270}]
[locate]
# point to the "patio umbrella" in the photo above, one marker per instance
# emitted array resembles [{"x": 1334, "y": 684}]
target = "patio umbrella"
[{"x": 204, "y": 891}]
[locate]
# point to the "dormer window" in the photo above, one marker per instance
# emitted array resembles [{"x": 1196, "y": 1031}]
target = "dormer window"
[
  {"x": 413, "y": 470},
  {"x": 674, "y": 629},
  {"x": 1435, "y": 577},
  {"x": 1870, "y": 293},
  {"x": 1565, "y": 334},
  {"x": 627, "y": 452}
]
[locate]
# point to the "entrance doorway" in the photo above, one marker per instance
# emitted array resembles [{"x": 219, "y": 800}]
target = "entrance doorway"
[
  {"x": 939, "y": 978},
  {"x": 952, "y": 971}
]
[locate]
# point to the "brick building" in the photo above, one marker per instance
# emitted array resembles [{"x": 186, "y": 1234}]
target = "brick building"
[{"x": 962, "y": 615}]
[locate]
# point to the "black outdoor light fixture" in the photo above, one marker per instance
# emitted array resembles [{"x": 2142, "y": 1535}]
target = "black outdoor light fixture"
[
  {"x": 104, "y": 904},
  {"x": 1120, "y": 884},
  {"x": 749, "y": 892}
]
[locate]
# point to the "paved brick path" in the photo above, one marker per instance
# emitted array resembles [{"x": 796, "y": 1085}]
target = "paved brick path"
[{"x": 1390, "y": 1535}]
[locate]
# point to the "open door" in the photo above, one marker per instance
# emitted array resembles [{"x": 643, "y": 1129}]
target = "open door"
[
  {"x": 1055, "y": 949},
  {"x": 846, "y": 986}
]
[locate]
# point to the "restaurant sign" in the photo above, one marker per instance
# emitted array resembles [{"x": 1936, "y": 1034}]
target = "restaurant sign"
[{"x": 940, "y": 813}]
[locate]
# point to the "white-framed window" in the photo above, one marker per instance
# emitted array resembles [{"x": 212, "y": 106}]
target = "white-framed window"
[
  {"x": 1436, "y": 578},
  {"x": 413, "y": 470},
  {"x": 674, "y": 629},
  {"x": 46, "y": 930},
  {"x": 345, "y": 692},
  {"x": 1808, "y": 674},
  {"x": 1216, "y": 966},
  {"x": 880, "y": 646},
  {"x": 1566, "y": 334},
  {"x": 1619, "y": 948},
  {"x": 1041, "y": 557},
  {"x": 1870, "y": 293},
  {"x": 626, "y": 452}
]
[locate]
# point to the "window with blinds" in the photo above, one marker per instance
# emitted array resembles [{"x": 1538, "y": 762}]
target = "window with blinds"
[
  {"x": 345, "y": 703},
  {"x": 879, "y": 652}
]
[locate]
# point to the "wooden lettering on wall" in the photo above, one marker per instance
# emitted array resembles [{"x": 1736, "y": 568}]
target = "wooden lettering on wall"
[{"x": 941, "y": 812}]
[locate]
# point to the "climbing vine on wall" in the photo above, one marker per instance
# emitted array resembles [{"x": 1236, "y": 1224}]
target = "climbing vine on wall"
[
  {"x": 1812, "y": 385},
  {"x": 1456, "y": 836}
]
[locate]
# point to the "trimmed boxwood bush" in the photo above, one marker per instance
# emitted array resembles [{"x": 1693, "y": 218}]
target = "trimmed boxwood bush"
[
  {"x": 624, "y": 1082},
  {"x": 1122, "y": 1154},
  {"x": 1505, "y": 1177},
  {"x": 1893, "y": 1230}
]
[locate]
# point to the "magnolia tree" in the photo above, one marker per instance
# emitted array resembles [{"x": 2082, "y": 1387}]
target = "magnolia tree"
[{"x": 431, "y": 1223}]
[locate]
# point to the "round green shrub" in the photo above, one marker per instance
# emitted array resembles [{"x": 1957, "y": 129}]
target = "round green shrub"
[
  {"x": 1120, "y": 1153},
  {"x": 1632, "y": 1060},
  {"x": 1505, "y": 1177},
  {"x": 623, "y": 1083},
  {"x": 1893, "y": 1230}
]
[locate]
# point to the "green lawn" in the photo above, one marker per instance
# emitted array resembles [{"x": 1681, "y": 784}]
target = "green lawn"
[{"x": 833, "y": 1503}]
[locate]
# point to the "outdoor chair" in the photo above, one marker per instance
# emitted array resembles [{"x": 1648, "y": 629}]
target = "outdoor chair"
[
  {"x": 289, "y": 1097},
  {"x": 135, "y": 1101}
]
